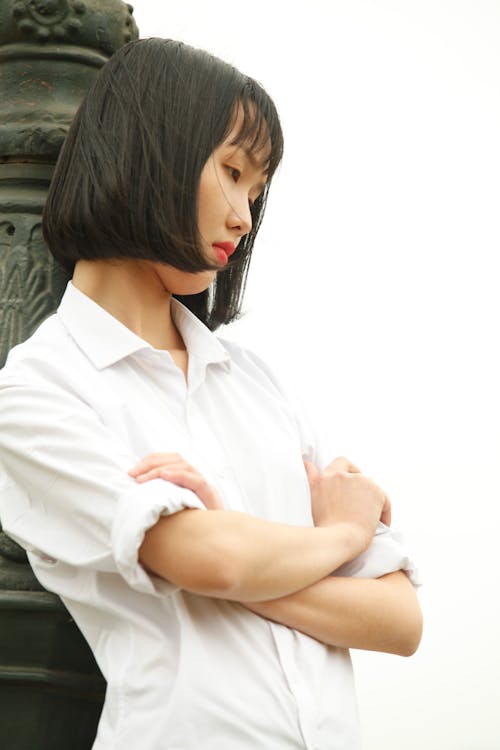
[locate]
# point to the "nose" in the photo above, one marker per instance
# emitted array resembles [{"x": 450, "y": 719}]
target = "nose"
[{"x": 240, "y": 217}]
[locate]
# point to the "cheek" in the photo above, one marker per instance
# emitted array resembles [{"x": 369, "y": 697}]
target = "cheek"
[
  {"x": 213, "y": 200},
  {"x": 207, "y": 189}
]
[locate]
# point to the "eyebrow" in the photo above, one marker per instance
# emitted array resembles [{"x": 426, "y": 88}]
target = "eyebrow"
[
  {"x": 251, "y": 158},
  {"x": 253, "y": 161},
  {"x": 256, "y": 165}
]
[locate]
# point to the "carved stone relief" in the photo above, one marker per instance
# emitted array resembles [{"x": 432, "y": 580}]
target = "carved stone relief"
[
  {"x": 31, "y": 283},
  {"x": 97, "y": 24},
  {"x": 46, "y": 18}
]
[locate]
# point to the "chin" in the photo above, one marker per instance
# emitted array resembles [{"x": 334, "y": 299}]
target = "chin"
[{"x": 192, "y": 283}]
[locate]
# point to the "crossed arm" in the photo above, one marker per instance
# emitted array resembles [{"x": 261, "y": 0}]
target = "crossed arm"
[
  {"x": 375, "y": 614},
  {"x": 282, "y": 572}
]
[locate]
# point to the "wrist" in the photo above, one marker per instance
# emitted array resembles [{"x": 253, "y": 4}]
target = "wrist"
[{"x": 351, "y": 538}]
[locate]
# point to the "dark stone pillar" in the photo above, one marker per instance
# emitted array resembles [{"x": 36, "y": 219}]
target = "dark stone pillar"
[{"x": 51, "y": 691}]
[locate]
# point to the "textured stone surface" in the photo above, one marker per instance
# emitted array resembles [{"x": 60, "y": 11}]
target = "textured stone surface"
[
  {"x": 103, "y": 25},
  {"x": 51, "y": 690},
  {"x": 31, "y": 283},
  {"x": 50, "y": 51}
]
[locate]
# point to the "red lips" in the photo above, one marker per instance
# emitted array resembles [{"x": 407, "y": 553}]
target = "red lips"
[
  {"x": 223, "y": 250},
  {"x": 228, "y": 247}
]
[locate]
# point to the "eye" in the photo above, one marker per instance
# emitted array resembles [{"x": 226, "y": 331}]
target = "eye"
[{"x": 235, "y": 173}]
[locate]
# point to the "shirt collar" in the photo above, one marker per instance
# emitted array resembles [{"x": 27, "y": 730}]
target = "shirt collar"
[{"x": 105, "y": 340}]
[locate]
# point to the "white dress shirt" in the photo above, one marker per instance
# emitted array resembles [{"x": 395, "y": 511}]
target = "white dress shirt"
[{"x": 80, "y": 402}]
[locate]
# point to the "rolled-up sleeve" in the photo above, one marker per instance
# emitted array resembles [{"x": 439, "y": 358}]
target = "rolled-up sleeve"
[
  {"x": 136, "y": 512},
  {"x": 65, "y": 494},
  {"x": 386, "y": 554}
]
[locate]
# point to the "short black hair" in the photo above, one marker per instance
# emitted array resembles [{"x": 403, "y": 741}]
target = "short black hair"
[{"x": 126, "y": 181}]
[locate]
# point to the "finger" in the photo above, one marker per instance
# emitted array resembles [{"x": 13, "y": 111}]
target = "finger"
[
  {"x": 188, "y": 478},
  {"x": 157, "y": 471},
  {"x": 148, "y": 475},
  {"x": 154, "y": 460},
  {"x": 196, "y": 483},
  {"x": 341, "y": 463},
  {"x": 312, "y": 472}
]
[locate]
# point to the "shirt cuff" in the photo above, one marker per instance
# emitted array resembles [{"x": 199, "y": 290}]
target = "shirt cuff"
[
  {"x": 386, "y": 554},
  {"x": 137, "y": 511}
]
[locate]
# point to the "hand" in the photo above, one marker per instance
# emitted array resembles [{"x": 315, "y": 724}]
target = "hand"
[
  {"x": 173, "y": 468},
  {"x": 341, "y": 494},
  {"x": 343, "y": 464}
]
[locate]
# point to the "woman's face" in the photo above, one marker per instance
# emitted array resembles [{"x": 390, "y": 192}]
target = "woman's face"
[{"x": 231, "y": 180}]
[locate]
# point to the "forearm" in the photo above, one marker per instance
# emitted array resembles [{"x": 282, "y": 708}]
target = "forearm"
[
  {"x": 235, "y": 556},
  {"x": 374, "y": 614}
]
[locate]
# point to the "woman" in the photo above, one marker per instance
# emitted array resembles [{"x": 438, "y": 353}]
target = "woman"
[{"x": 159, "y": 478}]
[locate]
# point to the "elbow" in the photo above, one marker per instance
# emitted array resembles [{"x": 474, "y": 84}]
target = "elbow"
[
  {"x": 235, "y": 575},
  {"x": 229, "y": 577},
  {"x": 405, "y": 616},
  {"x": 200, "y": 553},
  {"x": 207, "y": 564},
  {"x": 219, "y": 573},
  {"x": 223, "y": 580},
  {"x": 408, "y": 648},
  {"x": 412, "y": 635}
]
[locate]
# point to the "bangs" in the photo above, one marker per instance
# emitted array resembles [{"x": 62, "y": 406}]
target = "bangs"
[{"x": 260, "y": 130}]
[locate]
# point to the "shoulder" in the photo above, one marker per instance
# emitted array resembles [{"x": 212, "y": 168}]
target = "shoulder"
[
  {"x": 47, "y": 340},
  {"x": 48, "y": 357}
]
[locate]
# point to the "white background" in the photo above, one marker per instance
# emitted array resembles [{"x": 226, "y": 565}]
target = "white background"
[{"x": 373, "y": 293}]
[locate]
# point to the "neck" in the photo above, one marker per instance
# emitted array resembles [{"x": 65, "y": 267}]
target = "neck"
[{"x": 133, "y": 293}]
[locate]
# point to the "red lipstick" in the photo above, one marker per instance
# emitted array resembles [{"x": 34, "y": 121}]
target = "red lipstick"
[{"x": 223, "y": 250}]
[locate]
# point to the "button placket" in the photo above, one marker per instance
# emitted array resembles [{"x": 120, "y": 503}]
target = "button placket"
[{"x": 306, "y": 708}]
